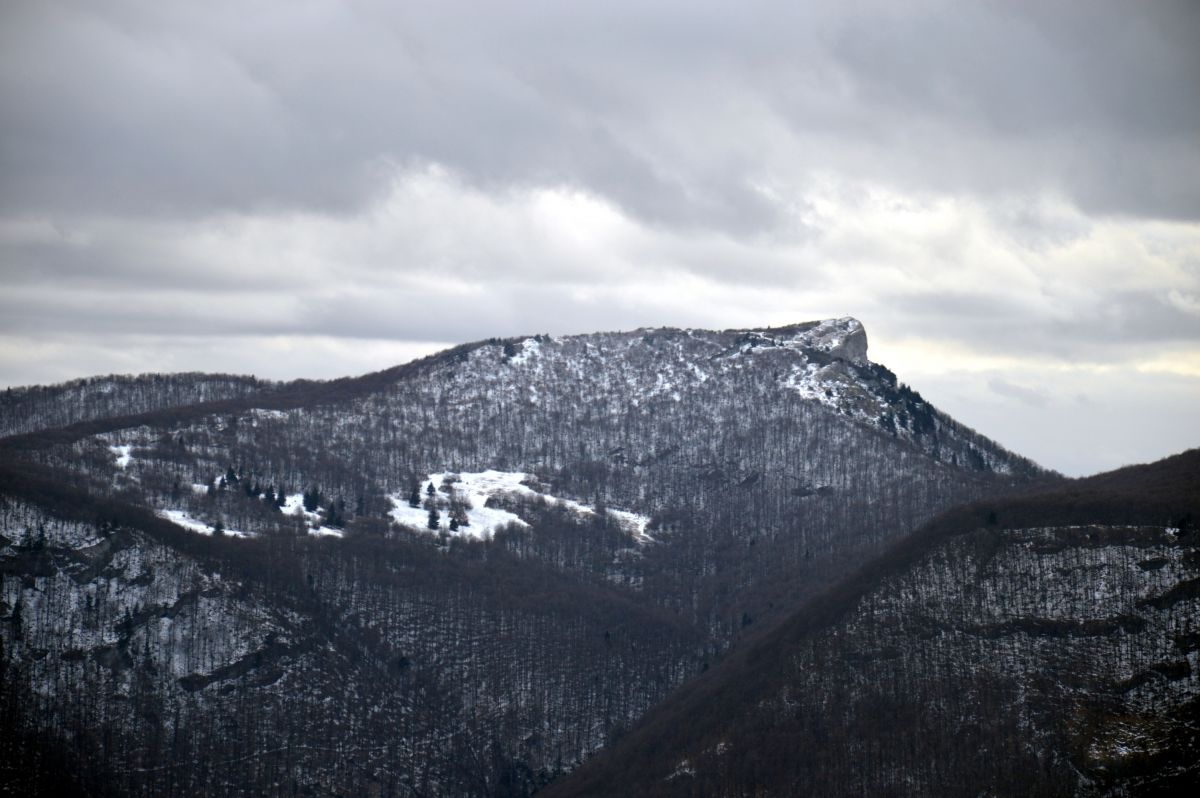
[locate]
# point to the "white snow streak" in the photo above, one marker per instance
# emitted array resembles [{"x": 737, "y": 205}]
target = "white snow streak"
[
  {"x": 474, "y": 489},
  {"x": 181, "y": 518}
]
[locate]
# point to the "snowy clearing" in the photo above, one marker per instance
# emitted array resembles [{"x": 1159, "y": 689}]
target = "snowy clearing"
[
  {"x": 294, "y": 505},
  {"x": 181, "y": 518},
  {"x": 529, "y": 349},
  {"x": 471, "y": 491}
]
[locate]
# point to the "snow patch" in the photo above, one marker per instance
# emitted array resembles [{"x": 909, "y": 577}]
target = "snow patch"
[
  {"x": 181, "y": 518},
  {"x": 683, "y": 769},
  {"x": 633, "y": 523},
  {"x": 530, "y": 347},
  {"x": 471, "y": 492},
  {"x": 807, "y": 380},
  {"x": 294, "y": 505},
  {"x": 122, "y": 453}
]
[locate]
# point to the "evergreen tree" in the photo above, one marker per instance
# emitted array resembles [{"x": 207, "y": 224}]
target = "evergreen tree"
[
  {"x": 336, "y": 513},
  {"x": 312, "y": 499},
  {"x": 434, "y": 518},
  {"x": 18, "y": 629}
]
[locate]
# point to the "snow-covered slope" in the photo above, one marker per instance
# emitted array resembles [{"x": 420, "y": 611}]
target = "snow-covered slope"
[
  {"x": 465, "y": 504},
  {"x": 824, "y": 362}
]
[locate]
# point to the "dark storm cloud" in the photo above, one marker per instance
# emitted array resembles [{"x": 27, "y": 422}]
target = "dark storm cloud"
[{"x": 672, "y": 111}]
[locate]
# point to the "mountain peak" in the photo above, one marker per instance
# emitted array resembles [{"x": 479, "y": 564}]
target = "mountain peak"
[
  {"x": 844, "y": 338},
  {"x": 823, "y": 361}
]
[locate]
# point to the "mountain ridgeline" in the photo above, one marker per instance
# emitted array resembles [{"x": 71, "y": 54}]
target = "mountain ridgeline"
[{"x": 471, "y": 573}]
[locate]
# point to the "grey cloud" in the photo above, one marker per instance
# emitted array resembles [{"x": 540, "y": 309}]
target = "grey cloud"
[
  {"x": 662, "y": 108},
  {"x": 1027, "y": 396},
  {"x": 520, "y": 309},
  {"x": 413, "y": 315},
  {"x": 1116, "y": 326},
  {"x": 126, "y": 264},
  {"x": 1039, "y": 229},
  {"x": 1134, "y": 419},
  {"x": 105, "y": 314}
]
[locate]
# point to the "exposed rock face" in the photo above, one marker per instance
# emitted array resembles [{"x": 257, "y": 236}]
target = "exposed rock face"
[
  {"x": 843, "y": 338},
  {"x": 854, "y": 346}
]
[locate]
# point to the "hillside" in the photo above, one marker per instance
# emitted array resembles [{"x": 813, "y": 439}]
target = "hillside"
[
  {"x": 1035, "y": 645},
  {"x": 752, "y": 453},
  {"x": 471, "y": 572},
  {"x": 152, "y": 661}
]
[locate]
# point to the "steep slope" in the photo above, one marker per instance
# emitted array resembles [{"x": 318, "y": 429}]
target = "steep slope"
[{"x": 1043, "y": 645}]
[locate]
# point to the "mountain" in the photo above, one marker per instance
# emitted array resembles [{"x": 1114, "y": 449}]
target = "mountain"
[
  {"x": 1039, "y": 645},
  {"x": 215, "y": 584},
  {"x": 720, "y": 439}
]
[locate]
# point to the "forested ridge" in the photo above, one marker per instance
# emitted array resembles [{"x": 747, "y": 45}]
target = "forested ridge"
[
  {"x": 225, "y": 586},
  {"x": 1042, "y": 644}
]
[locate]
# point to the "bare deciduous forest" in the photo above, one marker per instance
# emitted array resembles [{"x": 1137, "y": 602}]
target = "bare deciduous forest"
[{"x": 711, "y": 551}]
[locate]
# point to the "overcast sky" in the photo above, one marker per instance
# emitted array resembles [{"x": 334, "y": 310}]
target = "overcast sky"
[{"x": 1007, "y": 194}]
